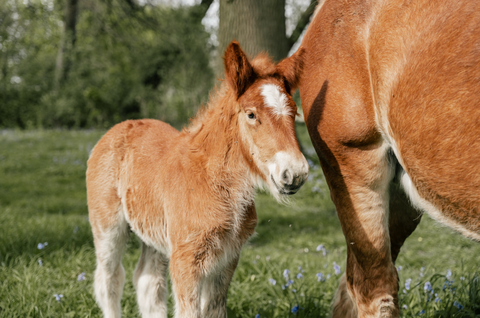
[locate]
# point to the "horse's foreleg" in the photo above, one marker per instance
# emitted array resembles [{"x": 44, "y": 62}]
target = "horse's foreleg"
[
  {"x": 359, "y": 182},
  {"x": 214, "y": 291},
  {"x": 150, "y": 280},
  {"x": 186, "y": 283},
  {"x": 403, "y": 219}
]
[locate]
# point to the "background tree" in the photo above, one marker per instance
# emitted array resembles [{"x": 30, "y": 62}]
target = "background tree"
[{"x": 258, "y": 26}]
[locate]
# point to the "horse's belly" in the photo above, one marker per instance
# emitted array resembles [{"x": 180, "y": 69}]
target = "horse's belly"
[{"x": 438, "y": 145}]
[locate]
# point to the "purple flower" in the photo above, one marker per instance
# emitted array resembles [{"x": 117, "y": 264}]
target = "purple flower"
[
  {"x": 272, "y": 281},
  {"x": 320, "y": 277},
  {"x": 58, "y": 297},
  {"x": 404, "y": 306},
  {"x": 299, "y": 275},
  {"x": 336, "y": 268},
  {"x": 295, "y": 309},
  {"x": 399, "y": 268},
  {"x": 407, "y": 284},
  {"x": 41, "y": 246},
  {"x": 322, "y": 248},
  {"x": 427, "y": 287}
]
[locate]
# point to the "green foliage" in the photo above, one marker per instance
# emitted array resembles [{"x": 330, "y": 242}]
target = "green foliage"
[
  {"x": 42, "y": 199},
  {"x": 145, "y": 61}
]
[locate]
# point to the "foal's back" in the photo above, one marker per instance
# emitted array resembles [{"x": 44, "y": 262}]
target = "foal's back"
[{"x": 131, "y": 156}]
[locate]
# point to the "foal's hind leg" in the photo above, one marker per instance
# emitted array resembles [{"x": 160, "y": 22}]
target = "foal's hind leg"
[
  {"x": 109, "y": 275},
  {"x": 150, "y": 281}
]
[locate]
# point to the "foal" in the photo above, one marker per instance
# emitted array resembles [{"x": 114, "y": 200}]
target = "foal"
[{"x": 189, "y": 195}]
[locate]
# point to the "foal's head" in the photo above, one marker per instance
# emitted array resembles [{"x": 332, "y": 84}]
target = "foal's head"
[{"x": 266, "y": 118}]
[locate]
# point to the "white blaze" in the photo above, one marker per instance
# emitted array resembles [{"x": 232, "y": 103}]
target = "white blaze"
[{"x": 276, "y": 100}]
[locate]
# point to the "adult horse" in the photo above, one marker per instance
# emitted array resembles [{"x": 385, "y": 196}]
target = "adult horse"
[{"x": 390, "y": 98}]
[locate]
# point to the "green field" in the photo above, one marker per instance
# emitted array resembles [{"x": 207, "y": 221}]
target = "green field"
[{"x": 42, "y": 199}]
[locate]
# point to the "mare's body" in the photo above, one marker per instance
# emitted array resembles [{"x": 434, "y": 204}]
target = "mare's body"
[{"x": 390, "y": 97}]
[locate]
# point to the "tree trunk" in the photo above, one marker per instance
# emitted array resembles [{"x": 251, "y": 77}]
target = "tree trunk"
[
  {"x": 67, "y": 43},
  {"x": 258, "y": 25}
]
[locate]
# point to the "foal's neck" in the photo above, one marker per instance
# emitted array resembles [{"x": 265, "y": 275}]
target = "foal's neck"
[{"x": 217, "y": 145}]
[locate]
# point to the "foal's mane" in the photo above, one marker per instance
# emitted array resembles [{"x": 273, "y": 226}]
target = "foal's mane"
[{"x": 223, "y": 98}]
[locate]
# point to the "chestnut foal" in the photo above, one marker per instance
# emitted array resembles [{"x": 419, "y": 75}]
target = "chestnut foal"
[{"x": 189, "y": 195}]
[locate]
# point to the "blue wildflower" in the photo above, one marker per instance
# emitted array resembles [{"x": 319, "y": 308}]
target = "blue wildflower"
[
  {"x": 81, "y": 277},
  {"x": 58, "y": 297},
  {"x": 407, "y": 284},
  {"x": 447, "y": 284},
  {"x": 40, "y": 262},
  {"x": 336, "y": 268},
  {"x": 299, "y": 275},
  {"x": 294, "y": 290},
  {"x": 300, "y": 269},
  {"x": 41, "y": 246},
  {"x": 427, "y": 287},
  {"x": 399, "y": 268},
  {"x": 328, "y": 276},
  {"x": 272, "y": 281},
  {"x": 295, "y": 309},
  {"x": 284, "y": 286},
  {"x": 257, "y": 316},
  {"x": 449, "y": 275},
  {"x": 404, "y": 306},
  {"x": 458, "y": 305},
  {"x": 285, "y": 273},
  {"x": 322, "y": 248},
  {"x": 320, "y": 277},
  {"x": 421, "y": 312},
  {"x": 437, "y": 299},
  {"x": 290, "y": 282}
]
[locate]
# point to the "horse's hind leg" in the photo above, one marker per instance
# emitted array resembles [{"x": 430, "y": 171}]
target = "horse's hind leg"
[
  {"x": 109, "y": 241},
  {"x": 150, "y": 280}
]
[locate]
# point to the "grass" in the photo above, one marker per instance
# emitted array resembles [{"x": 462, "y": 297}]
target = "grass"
[{"x": 42, "y": 199}]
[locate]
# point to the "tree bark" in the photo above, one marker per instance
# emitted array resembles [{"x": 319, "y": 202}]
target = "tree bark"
[
  {"x": 258, "y": 25},
  {"x": 67, "y": 44}
]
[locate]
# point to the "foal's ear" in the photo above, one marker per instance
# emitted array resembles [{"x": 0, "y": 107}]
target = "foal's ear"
[
  {"x": 291, "y": 69},
  {"x": 238, "y": 70}
]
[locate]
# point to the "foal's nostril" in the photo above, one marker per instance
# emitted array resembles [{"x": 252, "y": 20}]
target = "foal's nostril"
[{"x": 287, "y": 177}]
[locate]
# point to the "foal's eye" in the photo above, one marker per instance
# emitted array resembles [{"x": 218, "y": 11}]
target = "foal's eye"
[{"x": 251, "y": 115}]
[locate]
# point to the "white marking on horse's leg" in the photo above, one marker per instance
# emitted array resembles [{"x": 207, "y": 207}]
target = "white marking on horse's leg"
[
  {"x": 343, "y": 304},
  {"x": 150, "y": 280},
  {"x": 110, "y": 275},
  {"x": 276, "y": 100}
]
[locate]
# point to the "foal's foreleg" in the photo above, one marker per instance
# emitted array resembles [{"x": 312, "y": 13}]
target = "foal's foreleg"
[
  {"x": 214, "y": 291},
  {"x": 150, "y": 280},
  {"x": 186, "y": 278}
]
